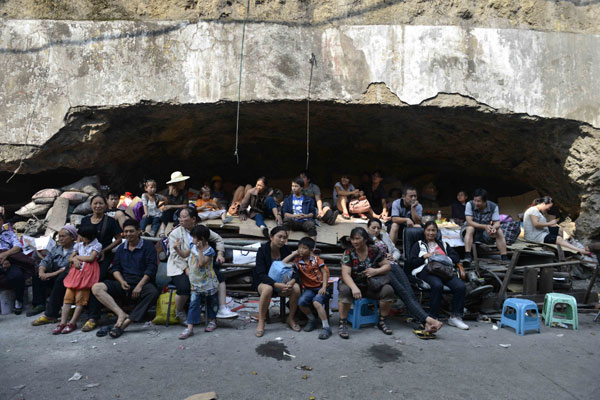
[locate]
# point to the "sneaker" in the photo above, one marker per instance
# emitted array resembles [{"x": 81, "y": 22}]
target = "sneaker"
[
  {"x": 186, "y": 334},
  {"x": 325, "y": 333},
  {"x": 35, "y": 310},
  {"x": 311, "y": 325},
  {"x": 265, "y": 231},
  {"x": 468, "y": 259},
  {"x": 18, "y": 309},
  {"x": 457, "y": 322},
  {"x": 226, "y": 313}
]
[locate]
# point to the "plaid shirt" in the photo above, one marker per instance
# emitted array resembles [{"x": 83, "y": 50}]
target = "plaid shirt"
[{"x": 8, "y": 240}]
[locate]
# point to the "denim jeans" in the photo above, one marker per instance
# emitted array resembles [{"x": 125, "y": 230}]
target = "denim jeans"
[
  {"x": 194, "y": 316},
  {"x": 401, "y": 285},
  {"x": 259, "y": 219},
  {"x": 457, "y": 286},
  {"x": 153, "y": 221}
]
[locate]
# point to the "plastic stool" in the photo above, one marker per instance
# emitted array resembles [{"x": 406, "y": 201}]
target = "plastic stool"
[
  {"x": 569, "y": 317},
  {"x": 362, "y": 314},
  {"x": 519, "y": 320}
]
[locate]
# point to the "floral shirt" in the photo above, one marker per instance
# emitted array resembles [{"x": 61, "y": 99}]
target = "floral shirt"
[
  {"x": 350, "y": 258},
  {"x": 203, "y": 278}
]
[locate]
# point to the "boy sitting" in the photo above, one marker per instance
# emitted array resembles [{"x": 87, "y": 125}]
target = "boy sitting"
[
  {"x": 314, "y": 276},
  {"x": 299, "y": 211}
]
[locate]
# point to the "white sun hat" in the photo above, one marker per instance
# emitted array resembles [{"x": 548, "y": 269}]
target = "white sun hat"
[{"x": 177, "y": 176}]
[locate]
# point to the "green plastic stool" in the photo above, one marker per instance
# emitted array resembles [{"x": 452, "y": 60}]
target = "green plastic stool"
[{"x": 569, "y": 317}]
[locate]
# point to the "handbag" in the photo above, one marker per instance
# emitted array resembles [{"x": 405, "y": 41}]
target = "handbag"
[
  {"x": 440, "y": 266},
  {"x": 376, "y": 282},
  {"x": 359, "y": 206}
]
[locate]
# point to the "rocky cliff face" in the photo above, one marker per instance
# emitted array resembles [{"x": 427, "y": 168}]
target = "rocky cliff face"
[
  {"x": 546, "y": 15},
  {"x": 474, "y": 103}
]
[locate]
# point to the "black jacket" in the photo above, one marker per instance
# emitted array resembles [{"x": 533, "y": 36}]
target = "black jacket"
[
  {"x": 260, "y": 273},
  {"x": 414, "y": 261}
]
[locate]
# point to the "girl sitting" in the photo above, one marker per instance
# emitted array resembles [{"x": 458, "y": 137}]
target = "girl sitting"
[
  {"x": 203, "y": 280},
  {"x": 152, "y": 203},
  {"x": 84, "y": 272}
]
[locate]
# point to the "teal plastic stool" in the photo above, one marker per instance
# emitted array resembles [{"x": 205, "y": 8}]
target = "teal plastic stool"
[
  {"x": 519, "y": 320},
  {"x": 365, "y": 312},
  {"x": 550, "y": 315}
]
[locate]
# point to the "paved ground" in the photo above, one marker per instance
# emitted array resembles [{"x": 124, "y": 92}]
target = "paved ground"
[{"x": 151, "y": 363}]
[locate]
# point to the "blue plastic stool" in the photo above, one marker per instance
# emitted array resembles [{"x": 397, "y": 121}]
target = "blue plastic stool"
[
  {"x": 362, "y": 314},
  {"x": 519, "y": 320}
]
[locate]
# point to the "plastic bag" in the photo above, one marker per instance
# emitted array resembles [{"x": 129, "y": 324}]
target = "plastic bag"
[{"x": 162, "y": 305}]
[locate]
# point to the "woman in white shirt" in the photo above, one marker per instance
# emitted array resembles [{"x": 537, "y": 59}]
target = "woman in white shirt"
[{"x": 539, "y": 229}]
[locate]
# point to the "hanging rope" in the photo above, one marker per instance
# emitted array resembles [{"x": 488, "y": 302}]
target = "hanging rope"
[
  {"x": 237, "y": 120},
  {"x": 313, "y": 63}
]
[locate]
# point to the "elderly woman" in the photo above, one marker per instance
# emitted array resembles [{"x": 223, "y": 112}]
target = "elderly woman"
[
  {"x": 50, "y": 275},
  {"x": 539, "y": 229},
  {"x": 418, "y": 259},
  {"x": 261, "y": 205},
  {"x": 275, "y": 249},
  {"x": 399, "y": 280},
  {"x": 11, "y": 275},
  {"x": 360, "y": 263}
]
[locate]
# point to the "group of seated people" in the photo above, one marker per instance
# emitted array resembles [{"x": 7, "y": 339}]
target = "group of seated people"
[{"x": 105, "y": 261}]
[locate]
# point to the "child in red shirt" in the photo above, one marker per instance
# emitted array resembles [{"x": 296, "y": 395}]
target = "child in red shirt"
[{"x": 314, "y": 276}]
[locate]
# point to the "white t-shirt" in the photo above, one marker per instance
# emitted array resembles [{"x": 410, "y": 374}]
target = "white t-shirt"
[
  {"x": 532, "y": 233},
  {"x": 86, "y": 251},
  {"x": 339, "y": 186}
]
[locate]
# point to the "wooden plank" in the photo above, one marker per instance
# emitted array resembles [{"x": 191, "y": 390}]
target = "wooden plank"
[
  {"x": 502, "y": 292},
  {"x": 546, "y": 283},
  {"x": 530, "y": 281},
  {"x": 547, "y": 265},
  {"x": 57, "y": 216}
]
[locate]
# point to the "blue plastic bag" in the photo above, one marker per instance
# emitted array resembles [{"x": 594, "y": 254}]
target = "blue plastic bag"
[{"x": 280, "y": 272}]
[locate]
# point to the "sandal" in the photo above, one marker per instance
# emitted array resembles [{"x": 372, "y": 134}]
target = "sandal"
[
  {"x": 89, "y": 326},
  {"x": 186, "y": 334},
  {"x": 43, "y": 320},
  {"x": 59, "y": 328},
  {"x": 259, "y": 333},
  {"x": 346, "y": 216},
  {"x": 212, "y": 325},
  {"x": 424, "y": 335},
  {"x": 343, "y": 329},
  {"x": 383, "y": 327},
  {"x": 115, "y": 332},
  {"x": 69, "y": 328},
  {"x": 103, "y": 331},
  {"x": 363, "y": 216}
]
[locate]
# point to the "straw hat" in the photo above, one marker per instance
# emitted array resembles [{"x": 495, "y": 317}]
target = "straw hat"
[
  {"x": 216, "y": 178},
  {"x": 177, "y": 176}
]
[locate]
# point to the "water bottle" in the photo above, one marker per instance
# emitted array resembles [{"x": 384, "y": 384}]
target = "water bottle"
[{"x": 439, "y": 215}]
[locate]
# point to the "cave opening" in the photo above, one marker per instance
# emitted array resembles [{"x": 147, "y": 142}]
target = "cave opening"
[{"x": 453, "y": 145}]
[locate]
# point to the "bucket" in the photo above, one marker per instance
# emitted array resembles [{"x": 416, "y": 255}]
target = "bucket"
[{"x": 7, "y": 300}]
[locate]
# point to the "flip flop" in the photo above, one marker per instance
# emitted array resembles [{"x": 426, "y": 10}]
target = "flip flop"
[
  {"x": 89, "y": 326},
  {"x": 424, "y": 335},
  {"x": 115, "y": 332},
  {"x": 104, "y": 331}
]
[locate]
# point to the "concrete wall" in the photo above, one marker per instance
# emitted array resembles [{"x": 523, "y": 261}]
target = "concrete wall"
[{"x": 47, "y": 67}]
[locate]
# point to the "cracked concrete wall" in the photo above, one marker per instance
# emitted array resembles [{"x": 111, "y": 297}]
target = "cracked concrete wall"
[{"x": 50, "y": 66}]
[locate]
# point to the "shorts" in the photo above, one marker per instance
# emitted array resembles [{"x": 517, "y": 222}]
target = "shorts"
[
  {"x": 386, "y": 293},
  {"x": 310, "y": 295},
  {"x": 182, "y": 284},
  {"x": 552, "y": 236},
  {"x": 218, "y": 273},
  {"x": 480, "y": 235},
  {"x": 78, "y": 296}
]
